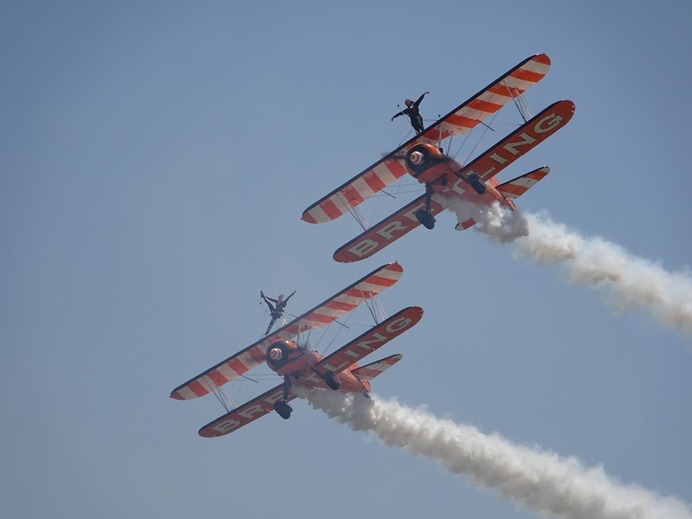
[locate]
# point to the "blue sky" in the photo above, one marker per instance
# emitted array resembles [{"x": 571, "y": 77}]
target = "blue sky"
[{"x": 155, "y": 160}]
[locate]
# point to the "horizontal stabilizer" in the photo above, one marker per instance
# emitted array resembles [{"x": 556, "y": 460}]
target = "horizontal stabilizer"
[
  {"x": 520, "y": 185},
  {"x": 376, "y": 368}
]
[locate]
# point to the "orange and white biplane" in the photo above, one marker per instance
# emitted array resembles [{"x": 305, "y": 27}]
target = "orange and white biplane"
[
  {"x": 301, "y": 367},
  {"x": 447, "y": 182}
]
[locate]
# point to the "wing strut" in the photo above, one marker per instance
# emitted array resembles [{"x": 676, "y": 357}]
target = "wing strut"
[
  {"x": 359, "y": 217},
  {"x": 376, "y": 309},
  {"x": 519, "y": 102},
  {"x": 223, "y": 398}
]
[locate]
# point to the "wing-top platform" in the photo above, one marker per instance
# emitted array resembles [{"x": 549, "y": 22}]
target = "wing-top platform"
[
  {"x": 321, "y": 315},
  {"x": 460, "y": 120}
]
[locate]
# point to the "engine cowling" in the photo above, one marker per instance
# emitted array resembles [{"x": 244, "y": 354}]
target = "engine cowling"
[
  {"x": 279, "y": 353},
  {"x": 422, "y": 161}
]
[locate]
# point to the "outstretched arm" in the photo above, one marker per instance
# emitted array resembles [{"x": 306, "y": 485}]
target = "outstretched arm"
[
  {"x": 397, "y": 115},
  {"x": 420, "y": 98},
  {"x": 289, "y": 297}
]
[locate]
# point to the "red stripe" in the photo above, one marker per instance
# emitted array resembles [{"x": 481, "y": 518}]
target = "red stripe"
[
  {"x": 373, "y": 181},
  {"x": 257, "y": 354},
  {"x": 383, "y": 282},
  {"x": 527, "y": 75},
  {"x": 330, "y": 209},
  {"x": 396, "y": 167},
  {"x": 538, "y": 175},
  {"x": 218, "y": 378},
  {"x": 541, "y": 58},
  {"x": 484, "y": 106},
  {"x": 356, "y": 292},
  {"x": 342, "y": 307},
  {"x": 435, "y": 135},
  {"x": 352, "y": 195},
  {"x": 460, "y": 120},
  {"x": 500, "y": 89},
  {"x": 197, "y": 388},
  {"x": 237, "y": 366},
  {"x": 324, "y": 319}
]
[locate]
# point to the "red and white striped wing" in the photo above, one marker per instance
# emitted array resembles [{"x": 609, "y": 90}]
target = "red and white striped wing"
[
  {"x": 460, "y": 120},
  {"x": 320, "y": 316},
  {"x": 489, "y": 100}
]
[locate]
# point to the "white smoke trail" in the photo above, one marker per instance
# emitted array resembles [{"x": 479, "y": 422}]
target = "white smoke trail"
[
  {"x": 627, "y": 280},
  {"x": 538, "y": 480}
]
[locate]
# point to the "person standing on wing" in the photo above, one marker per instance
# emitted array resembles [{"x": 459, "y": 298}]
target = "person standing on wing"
[
  {"x": 412, "y": 111},
  {"x": 276, "y": 307}
]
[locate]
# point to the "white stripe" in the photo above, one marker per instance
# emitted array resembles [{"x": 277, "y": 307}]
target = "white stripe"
[
  {"x": 186, "y": 393},
  {"x": 384, "y": 173},
  {"x": 318, "y": 214},
  {"x": 494, "y": 98},
  {"x": 227, "y": 371},
  {"x": 519, "y": 84},
  {"x": 536, "y": 66},
  {"x": 362, "y": 188},
  {"x": 473, "y": 113}
]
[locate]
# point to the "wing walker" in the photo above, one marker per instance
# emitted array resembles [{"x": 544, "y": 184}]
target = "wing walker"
[
  {"x": 447, "y": 184},
  {"x": 300, "y": 367}
]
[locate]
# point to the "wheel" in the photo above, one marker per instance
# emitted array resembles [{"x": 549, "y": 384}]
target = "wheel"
[
  {"x": 283, "y": 409},
  {"x": 425, "y": 218},
  {"x": 331, "y": 381},
  {"x": 477, "y": 183}
]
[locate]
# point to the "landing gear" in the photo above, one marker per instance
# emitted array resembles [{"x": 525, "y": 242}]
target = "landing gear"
[
  {"x": 281, "y": 406},
  {"x": 425, "y": 216},
  {"x": 476, "y": 183},
  {"x": 331, "y": 381},
  {"x": 283, "y": 409}
]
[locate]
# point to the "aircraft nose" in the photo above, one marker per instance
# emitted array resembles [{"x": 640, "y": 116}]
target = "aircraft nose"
[{"x": 416, "y": 158}]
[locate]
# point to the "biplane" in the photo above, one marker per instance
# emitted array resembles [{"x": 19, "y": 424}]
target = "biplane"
[
  {"x": 300, "y": 367},
  {"x": 448, "y": 184}
]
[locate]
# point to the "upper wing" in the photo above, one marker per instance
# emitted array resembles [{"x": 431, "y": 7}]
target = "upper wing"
[
  {"x": 371, "y": 340},
  {"x": 245, "y": 414},
  {"x": 489, "y": 100},
  {"x": 460, "y": 120},
  {"x": 321, "y": 315}
]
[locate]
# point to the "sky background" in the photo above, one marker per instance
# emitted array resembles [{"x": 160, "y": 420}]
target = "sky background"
[{"x": 155, "y": 158}]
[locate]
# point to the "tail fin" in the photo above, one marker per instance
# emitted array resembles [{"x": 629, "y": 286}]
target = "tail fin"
[{"x": 374, "y": 369}]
